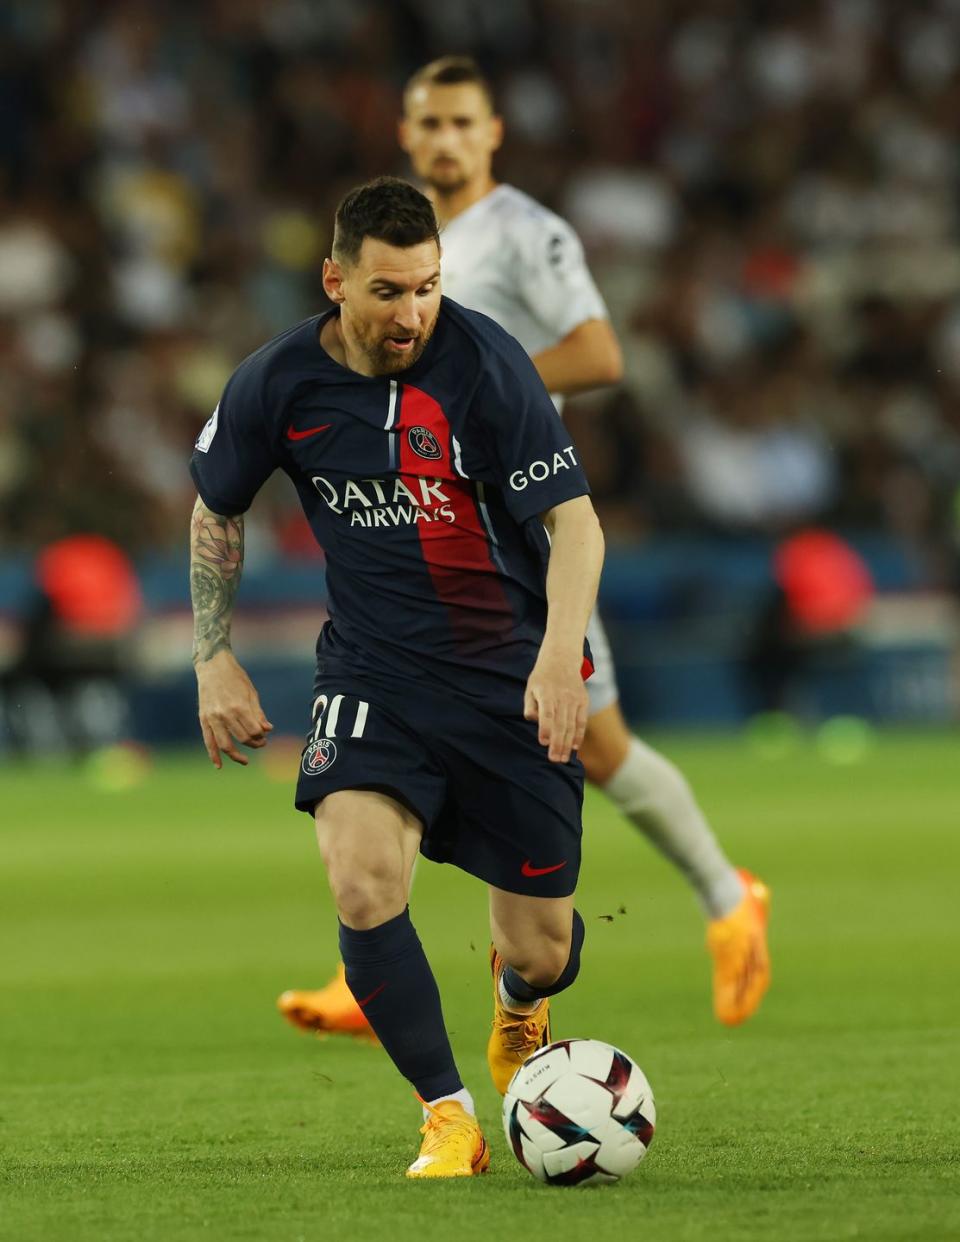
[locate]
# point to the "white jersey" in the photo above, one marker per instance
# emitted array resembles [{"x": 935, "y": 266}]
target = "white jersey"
[{"x": 512, "y": 259}]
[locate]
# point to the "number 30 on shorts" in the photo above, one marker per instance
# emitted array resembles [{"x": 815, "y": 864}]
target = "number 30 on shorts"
[{"x": 329, "y": 722}]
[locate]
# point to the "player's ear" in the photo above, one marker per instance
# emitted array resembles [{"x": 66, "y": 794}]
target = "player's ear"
[
  {"x": 333, "y": 280},
  {"x": 496, "y": 132},
  {"x": 403, "y": 134}
]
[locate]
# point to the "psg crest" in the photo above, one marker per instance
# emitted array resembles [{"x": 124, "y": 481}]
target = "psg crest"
[
  {"x": 318, "y": 756},
  {"x": 424, "y": 443}
]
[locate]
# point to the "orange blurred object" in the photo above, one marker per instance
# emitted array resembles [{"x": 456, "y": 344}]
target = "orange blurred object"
[
  {"x": 772, "y": 272},
  {"x": 295, "y": 538},
  {"x": 826, "y": 583},
  {"x": 91, "y": 584}
]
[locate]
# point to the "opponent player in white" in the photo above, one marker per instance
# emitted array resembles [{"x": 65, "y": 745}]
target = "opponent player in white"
[{"x": 509, "y": 257}]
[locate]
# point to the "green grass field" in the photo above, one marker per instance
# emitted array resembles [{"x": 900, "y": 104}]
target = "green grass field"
[{"x": 148, "y": 1089}]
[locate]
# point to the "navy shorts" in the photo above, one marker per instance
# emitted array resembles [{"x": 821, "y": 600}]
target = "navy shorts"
[{"x": 488, "y": 797}]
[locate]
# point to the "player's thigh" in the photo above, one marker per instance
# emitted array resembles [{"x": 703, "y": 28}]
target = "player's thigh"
[
  {"x": 363, "y": 832},
  {"x": 370, "y": 784},
  {"x": 605, "y": 745},
  {"x": 532, "y": 934},
  {"x": 511, "y": 818}
]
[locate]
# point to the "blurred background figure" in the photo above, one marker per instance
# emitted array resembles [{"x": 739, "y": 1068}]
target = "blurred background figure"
[
  {"x": 768, "y": 198},
  {"x": 65, "y": 690},
  {"x": 820, "y": 591}
]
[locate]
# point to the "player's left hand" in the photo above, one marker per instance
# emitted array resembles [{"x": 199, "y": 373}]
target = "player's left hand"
[{"x": 557, "y": 699}]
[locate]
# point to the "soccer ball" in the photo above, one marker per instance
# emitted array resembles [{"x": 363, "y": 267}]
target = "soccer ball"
[{"x": 579, "y": 1112}]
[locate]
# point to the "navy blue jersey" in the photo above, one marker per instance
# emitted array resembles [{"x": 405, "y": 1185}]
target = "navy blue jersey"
[{"x": 424, "y": 491}]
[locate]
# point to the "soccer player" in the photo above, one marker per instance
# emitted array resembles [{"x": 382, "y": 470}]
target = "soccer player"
[
  {"x": 431, "y": 466},
  {"x": 510, "y": 258}
]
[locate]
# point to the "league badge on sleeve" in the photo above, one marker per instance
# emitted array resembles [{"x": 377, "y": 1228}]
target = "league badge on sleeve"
[
  {"x": 205, "y": 438},
  {"x": 556, "y": 253}
]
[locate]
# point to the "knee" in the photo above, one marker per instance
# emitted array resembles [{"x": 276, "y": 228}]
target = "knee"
[
  {"x": 366, "y": 900},
  {"x": 542, "y": 964},
  {"x": 597, "y": 767}
]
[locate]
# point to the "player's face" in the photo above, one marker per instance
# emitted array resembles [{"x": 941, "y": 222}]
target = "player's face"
[
  {"x": 450, "y": 134},
  {"x": 389, "y": 300}
]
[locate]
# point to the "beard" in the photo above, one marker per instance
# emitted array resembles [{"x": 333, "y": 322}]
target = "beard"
[
  {"x": 385, "y": 360},
  {"x": 446, "y": 178}
]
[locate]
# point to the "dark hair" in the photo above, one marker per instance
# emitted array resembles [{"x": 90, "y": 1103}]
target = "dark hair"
[
  {"x": 387, "y": 209},
  {"x": 451, "y": 71}
]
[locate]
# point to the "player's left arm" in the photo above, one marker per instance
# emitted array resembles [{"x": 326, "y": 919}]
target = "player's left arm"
[
  {"x": 535, "y": 465},
  {"x": 588, "y": 357},
  {"x": 555, "y": 695}
]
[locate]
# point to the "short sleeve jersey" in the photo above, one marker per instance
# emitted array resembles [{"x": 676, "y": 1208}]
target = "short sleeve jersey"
[
  {"x": 423, "y": 489},
  {"x": 514, "y": 260}
]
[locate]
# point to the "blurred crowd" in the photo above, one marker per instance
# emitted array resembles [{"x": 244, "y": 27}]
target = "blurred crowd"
[{"x": 768, "y": 192}]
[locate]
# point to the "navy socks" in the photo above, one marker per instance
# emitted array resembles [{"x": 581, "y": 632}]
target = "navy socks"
[
  {"x": 389, "y": 975},
  {"x": 524, "y": 992}
]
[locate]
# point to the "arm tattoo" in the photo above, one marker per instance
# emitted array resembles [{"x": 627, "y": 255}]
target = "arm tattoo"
[{"x": 216, "y": 562}]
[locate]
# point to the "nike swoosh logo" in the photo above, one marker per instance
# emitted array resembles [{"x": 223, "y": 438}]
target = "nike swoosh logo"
[
  {"x": 367, "y": 999},
  {"x": 293, "y": 434},
  {"x": 529, "y": 869}
]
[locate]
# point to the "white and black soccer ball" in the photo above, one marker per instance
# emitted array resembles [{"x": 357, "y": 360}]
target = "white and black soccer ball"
[{"x": 579, "y": 1112}]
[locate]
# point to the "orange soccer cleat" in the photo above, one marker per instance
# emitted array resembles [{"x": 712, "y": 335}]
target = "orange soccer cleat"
[
  {"x": 453, "y": 1143},
  {"x": 330, "y": 1010},
  {"x": 515, "y": 1036},
  {"x": 741, "y": 960}
]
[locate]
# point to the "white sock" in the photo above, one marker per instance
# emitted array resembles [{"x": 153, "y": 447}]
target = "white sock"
[
  {"x": 462, "y": 1096},
  {"x": 653, "y": 794},
  {"x": 509, "y": 1001}
]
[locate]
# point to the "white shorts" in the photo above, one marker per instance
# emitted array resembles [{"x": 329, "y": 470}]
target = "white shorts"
[{"x": 602, "y": 686}]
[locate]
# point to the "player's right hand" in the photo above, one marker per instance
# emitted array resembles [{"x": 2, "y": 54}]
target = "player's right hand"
[{"x": 230, "y": 710}]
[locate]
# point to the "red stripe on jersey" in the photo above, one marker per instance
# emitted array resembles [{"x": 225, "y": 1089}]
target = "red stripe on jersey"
[{"x": 455, "y": 544}]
